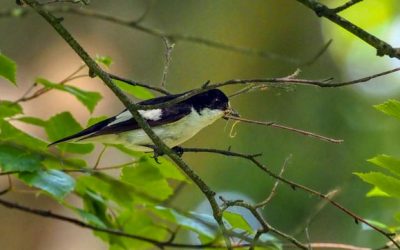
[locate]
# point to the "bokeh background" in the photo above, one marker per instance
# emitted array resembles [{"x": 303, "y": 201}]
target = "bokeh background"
[{"x": 281, "y": 27}]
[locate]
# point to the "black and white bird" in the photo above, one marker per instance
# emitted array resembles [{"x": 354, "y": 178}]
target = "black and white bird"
[{"x": 174, "y": 124}]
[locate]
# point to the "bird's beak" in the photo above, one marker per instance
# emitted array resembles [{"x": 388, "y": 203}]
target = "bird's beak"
[{"x": 230, "y": 112}]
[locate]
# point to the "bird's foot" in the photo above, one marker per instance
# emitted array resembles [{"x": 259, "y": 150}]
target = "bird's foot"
[{"x": 157, "y": 152}]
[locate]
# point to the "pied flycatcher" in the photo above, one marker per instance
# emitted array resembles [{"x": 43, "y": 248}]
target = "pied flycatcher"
[{"x": 174, "y": 124}]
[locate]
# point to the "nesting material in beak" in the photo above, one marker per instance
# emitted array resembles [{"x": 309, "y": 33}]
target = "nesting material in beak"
[{"x": 230, "y": 112}]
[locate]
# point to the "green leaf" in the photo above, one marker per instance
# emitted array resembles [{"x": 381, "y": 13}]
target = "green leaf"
[
  {"x": 203, "y": 224},
  {"x": 90, "y": 218},
  {"x": 388, "y": 162},
  {"x": 95, "y": 205},
  {"x": 8, "y": 69},
  {"x": 33, "y": 121},
  {"x": 140, "y": 223},
  {"x": 147, "y": 179},
  {"x": 94, "y": 120},
  {"x": 61, "y": 164},
  {"x": 237, "y": 221},
  {"x": 9, "y": 109},
  {"x": 63, "y": 125},
  {"x": 136, "y": 91},
  {"x": 374, "y": 223},
  {"x": 54, "y": 182},
  {"x": 166, "y": 167},
  {"x": 376, "y": 192},
  {"x": 107, "y": 188},
  {"x": 13, "y": 158},
  {"x": 387, "y": 184},
  {"x": 9, "y": 133},
  {"x": 105, "y": 60},
  {"x": 390, "y": 107},
  {"x": 87, "y": 98}
]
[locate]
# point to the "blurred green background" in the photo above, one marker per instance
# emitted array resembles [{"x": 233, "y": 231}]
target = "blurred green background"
[{"x": 282, "y": 27}]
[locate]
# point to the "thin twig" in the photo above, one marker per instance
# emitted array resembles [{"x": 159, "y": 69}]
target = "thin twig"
[
  {"x": 136, "y": 24},
  {"x": 308, "y": 238},
  {"x": 65, "y": 1},
  {"x": 26, "y": 97},
  {"x": 275, "y": 125},
  {"x": 265, "y": 226},
  {"x": 326, "y": 83},
  {"x": 99, "y": 157},
  {"x": 263, "y": 203},
  {"x": 169, "y": 47},
  {"x": 159, "y": 244},
  {"x": 145, "y": 12},
  {"x": 176, "y": 37},
  {"x": 295, "y": 185},
  {"x": 318, "y": 208},
  {"x": 319, "y": 54},
  {"x": 328, "y": 245},
  {"x": 136, "y": 83},
  {"x": 220, "y": 151},
  {"x": 346, "y": 6},
  {"x": 328, "y": 199}
]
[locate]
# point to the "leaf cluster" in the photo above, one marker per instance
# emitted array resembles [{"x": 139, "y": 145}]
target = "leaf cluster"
[
  {"x": 131, "y": 199},
  {"x": 385, "y": 180}
]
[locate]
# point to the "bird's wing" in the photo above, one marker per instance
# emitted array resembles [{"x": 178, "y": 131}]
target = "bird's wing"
[{"x": 125, "y": 122}]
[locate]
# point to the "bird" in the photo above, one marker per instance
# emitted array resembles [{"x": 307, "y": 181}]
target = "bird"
[{"x": 173, "y": 124}]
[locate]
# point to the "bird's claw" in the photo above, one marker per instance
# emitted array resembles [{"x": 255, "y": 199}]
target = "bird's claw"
[{"x": 157, "y": 152}]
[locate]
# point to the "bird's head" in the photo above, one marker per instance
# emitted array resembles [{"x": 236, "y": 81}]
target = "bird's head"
[{"x": 213, "y": 99}]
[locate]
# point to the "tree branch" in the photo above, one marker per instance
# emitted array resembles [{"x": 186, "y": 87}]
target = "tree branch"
[
  {"x": 174, "y": 37},
  {"x": 133, "y": 109},
  {"x": 49, "y": 214},
  {"x": 346, "y": 5},
  {"x": 283, "y": 80},
  {"x": 141, "y": 84},
  {"x": 273, "y": 124},
  {"x": 264, "y": 224},
  {"x": 295, "y": 186},
  {"x": 382, "y": 48}
]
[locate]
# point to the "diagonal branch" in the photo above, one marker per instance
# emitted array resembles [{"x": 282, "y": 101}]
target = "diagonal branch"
[
  {"x": 382, "y": 47},
  {"x": 133, "y": 109}
]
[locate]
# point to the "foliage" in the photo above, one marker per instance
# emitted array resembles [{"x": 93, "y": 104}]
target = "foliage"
[
  {"x": 129, "y": 201},
  {"x": 87, "y": 98},
  {"x": 8, "y": 69},
  {"x": 386, "y": 180}
]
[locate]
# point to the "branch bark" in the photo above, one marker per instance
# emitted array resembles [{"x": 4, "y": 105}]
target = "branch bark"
[
  {"x": 133, "y": 109},
  {"x": 382, "y": 47}
]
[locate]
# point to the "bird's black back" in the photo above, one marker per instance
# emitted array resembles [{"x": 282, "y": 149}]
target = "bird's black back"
[{"x": 212, "y": 99}]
